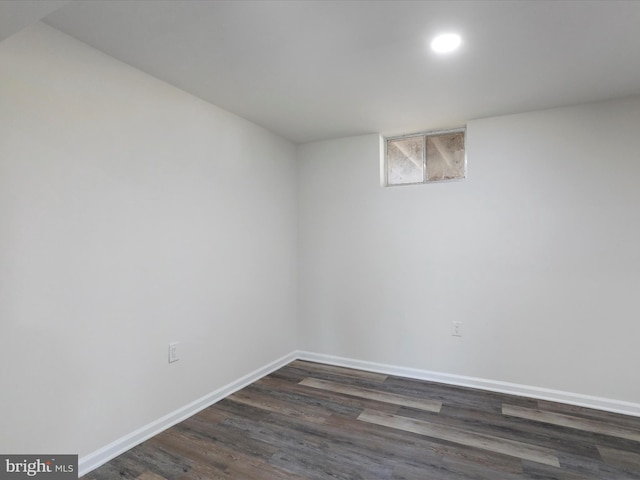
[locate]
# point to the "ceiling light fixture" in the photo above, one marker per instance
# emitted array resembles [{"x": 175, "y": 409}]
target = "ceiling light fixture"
[{"x": 446, "y": 43}]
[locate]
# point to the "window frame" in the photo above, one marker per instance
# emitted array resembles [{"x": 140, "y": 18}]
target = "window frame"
[{"x": 424, "y": 135}]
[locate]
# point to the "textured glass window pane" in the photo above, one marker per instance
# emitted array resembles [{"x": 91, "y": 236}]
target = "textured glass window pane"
[
  {"x": 405, "y": 162},
  {"x": 445, "y": 156}
]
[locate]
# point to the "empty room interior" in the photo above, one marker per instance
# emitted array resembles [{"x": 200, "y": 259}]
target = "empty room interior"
[{"x": 303, "y": 239}]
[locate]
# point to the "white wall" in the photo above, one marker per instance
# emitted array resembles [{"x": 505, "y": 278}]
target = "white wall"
[
  {"x": 537, "y": 252},
  {"x": 131, "y": 215}
]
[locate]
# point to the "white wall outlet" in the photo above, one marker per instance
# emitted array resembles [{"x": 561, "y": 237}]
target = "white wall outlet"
[
  {"x": 457, "y": 329},
  {"x": 173, "y": 352}
]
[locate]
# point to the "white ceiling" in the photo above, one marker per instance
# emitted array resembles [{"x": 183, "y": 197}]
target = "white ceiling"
[
  {"x": 17, "y": 14},
  {"x": 311, "y": 70}
]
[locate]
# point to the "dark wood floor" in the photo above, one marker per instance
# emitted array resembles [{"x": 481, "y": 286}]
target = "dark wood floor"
[{"x": 313, "y": 421}]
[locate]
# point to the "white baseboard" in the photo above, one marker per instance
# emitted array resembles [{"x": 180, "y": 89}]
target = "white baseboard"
[
  {"x": 121, "y": 445},
  {"x": 598, "y": 403},
  {"x": 117, "y": 447}
]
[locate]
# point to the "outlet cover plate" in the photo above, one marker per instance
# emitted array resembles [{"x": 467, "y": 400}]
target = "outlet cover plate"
[
  {"x": 173, "y": 352},
  {"x": 457, "y": 329}
]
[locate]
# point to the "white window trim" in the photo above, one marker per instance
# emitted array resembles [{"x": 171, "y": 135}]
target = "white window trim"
[{"x": 383, "y": 161}]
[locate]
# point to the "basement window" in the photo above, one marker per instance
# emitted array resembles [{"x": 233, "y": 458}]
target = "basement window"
[{"x": 425, "y": 157}]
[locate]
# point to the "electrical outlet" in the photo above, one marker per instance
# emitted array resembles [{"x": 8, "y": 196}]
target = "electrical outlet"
[
  {"x": 457, "y": 329},
  {"x": 173, "y": 352}
]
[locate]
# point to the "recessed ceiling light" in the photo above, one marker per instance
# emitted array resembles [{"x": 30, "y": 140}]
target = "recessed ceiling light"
[{"x": 445, "y": 43}]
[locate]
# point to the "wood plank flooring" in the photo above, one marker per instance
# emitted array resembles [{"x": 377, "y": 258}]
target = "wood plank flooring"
[{"x": 313, "y": 421}]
